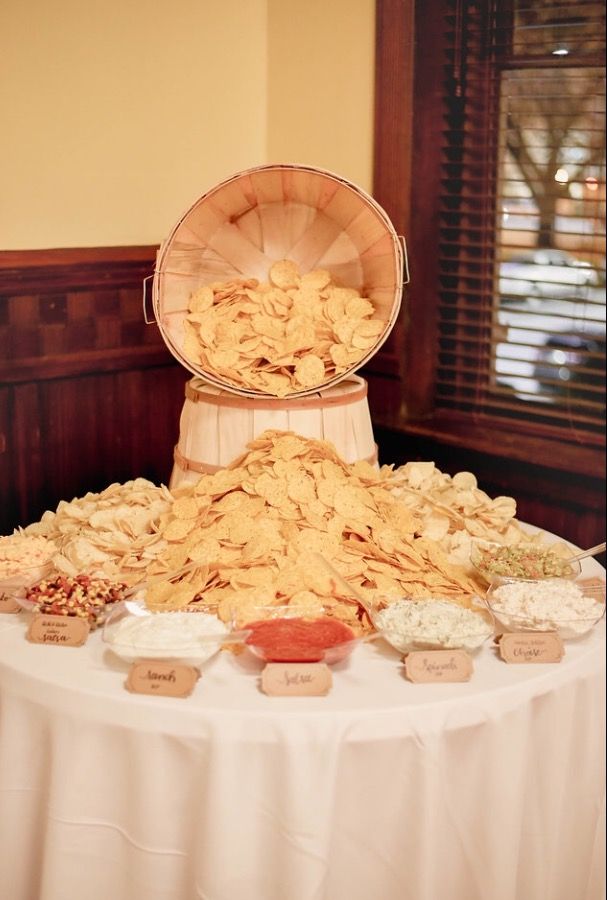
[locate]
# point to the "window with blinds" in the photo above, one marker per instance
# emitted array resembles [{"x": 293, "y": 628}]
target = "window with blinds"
[{"x": 521, "y": 214}]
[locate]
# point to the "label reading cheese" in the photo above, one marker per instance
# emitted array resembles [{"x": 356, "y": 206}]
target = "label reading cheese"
[{"x": 531, "y": 647}]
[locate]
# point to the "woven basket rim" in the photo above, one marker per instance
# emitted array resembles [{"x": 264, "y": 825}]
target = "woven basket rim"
[
  {"x": 357, "y": 391},
  {"x": 245, "y": 173}
]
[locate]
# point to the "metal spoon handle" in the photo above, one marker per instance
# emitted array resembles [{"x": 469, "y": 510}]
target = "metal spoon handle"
[
  {"x": 591, "y": 552},
  {"x": 168, "y": 576},
  {"x": 350, "y": 589}
]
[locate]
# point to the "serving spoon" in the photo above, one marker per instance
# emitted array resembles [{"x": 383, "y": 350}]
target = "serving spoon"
[
  {"x": 349, "y": 588},
  {"x": 592, "y": 551},
  {"x": 167, "y": 576}
]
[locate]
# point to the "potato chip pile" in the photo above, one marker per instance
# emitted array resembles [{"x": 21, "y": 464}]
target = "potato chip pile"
[
  {"x": 455, "y": 510},
  {"x": 111, "y": 533},
  {"x": 255, "y": 528},
  {"x": 292, "y": 333}
]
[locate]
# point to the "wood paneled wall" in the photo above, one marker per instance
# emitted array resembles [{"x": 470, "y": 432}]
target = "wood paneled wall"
[{"x": 89, "y": 395}]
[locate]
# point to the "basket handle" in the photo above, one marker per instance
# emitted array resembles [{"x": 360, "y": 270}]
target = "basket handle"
[
  {"x": 406, "y": 278},
  {"x": 146, "y": 318}
]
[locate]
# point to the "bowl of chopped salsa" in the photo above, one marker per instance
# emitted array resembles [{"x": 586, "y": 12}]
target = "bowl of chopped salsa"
[
  {"x": 83, "y": 596},
  {"x": 499, "y": 562},
  {"x": 280, "y": 635}
]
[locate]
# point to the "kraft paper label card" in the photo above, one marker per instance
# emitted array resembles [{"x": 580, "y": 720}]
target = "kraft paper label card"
[
  {"x": 591, "y": 583},
  {"x": 8, "y": 605},
  {"x": 63, "y": 631},
  {"x": 296, "y": 679},
  {"x": 531, "y": 647},
  {"x": 427, "y": 666},
  {"x": 163, "y": 679}
]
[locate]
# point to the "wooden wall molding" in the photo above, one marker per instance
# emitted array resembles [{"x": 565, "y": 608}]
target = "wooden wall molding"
[
  {"x": 65, "y": 313},
  {"x": 32, "y": 271}
]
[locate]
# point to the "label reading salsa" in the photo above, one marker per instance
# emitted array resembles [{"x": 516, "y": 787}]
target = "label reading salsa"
[{"x": 300, "y": 640}]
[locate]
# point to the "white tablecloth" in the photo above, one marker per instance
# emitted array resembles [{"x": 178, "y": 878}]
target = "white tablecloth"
[{"x": 487, "y": 790}]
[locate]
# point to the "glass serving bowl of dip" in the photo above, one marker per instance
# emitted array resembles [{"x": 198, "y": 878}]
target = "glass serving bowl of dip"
[
  {"x": 16, "y": 585},
  {"x": 134, "y": 633},
  {"x": 24, "y": 560},
  {"x": 83, "y": 596},
  {"x": 569, "y": 608},
  {"x": 430, "y": 623},
  {"x": 291, "y": 635},
  {"x": 521, "y": 562}
]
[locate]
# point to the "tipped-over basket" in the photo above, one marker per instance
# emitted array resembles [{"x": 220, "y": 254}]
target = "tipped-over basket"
[{"x": 239, "y": 229}]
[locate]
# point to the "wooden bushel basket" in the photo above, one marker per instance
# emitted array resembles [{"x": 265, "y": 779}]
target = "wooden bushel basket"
[
  {"x": 245, "y": 224},
  {"x": 216, "y": 425}
]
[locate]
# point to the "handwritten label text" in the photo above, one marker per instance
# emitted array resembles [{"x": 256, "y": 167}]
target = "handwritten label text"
[
  {"x": 544, "y": 647},
  {"x": 425, "y": 666},
  {"x": 296, "y": 679}
]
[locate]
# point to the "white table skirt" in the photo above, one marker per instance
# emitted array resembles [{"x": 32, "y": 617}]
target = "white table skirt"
[{"x": 489, "y": 790}]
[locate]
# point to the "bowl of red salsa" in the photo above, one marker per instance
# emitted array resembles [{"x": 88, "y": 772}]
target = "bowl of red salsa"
[{"x": 282, "y": 636}]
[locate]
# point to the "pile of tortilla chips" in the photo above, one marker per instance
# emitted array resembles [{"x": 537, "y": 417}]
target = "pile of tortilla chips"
[{"x": 253, "y": 532}]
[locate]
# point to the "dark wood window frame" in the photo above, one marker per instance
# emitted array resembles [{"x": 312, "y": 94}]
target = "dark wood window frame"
[{"x": 407, "y": 83}]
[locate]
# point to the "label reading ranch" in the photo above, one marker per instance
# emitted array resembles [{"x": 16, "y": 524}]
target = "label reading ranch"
[
  {"x": 7, "y": 604},
  {"x": 527, "y": 647},
  {"x": 62, "y": 631},
  {"x": 162, "y": 679},
  {"x": 427, "y": 666},
  {"x": 296, "y": 679}
]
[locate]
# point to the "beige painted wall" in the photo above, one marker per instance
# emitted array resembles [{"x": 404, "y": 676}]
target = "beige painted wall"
[
  {"x": 117, "y": 116},
  {"x": 320, "y": 85}
]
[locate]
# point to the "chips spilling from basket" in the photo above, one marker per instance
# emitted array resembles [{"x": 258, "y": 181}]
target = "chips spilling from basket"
[
  {"x": 279, "y": 281},
  {"x": 290, "y": 333}
]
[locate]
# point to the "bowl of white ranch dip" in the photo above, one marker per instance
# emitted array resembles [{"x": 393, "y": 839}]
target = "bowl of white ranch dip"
[{"x": 134, "y": 633}]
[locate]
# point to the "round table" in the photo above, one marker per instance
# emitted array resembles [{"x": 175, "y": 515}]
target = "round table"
[{"x": 493, "y": 788}]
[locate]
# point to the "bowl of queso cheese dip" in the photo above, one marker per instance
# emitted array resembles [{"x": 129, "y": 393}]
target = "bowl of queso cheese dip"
[
  {"x": 24, "y": 560},
  {"x": 569, "y": 608}
]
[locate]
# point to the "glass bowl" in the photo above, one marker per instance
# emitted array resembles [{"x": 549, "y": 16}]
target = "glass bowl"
[
  {"x": 496, "y": 563},
  {"x": 16, "y": 576},
  {"x": 134, "y": 633},
  {"x": 430, "y": 623},
  {"x": 17, "y": 584},
  {"x": 67, "y": 595},
  {"x": 569, "y": 608},
  {"x": 290, "y": 635}
]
